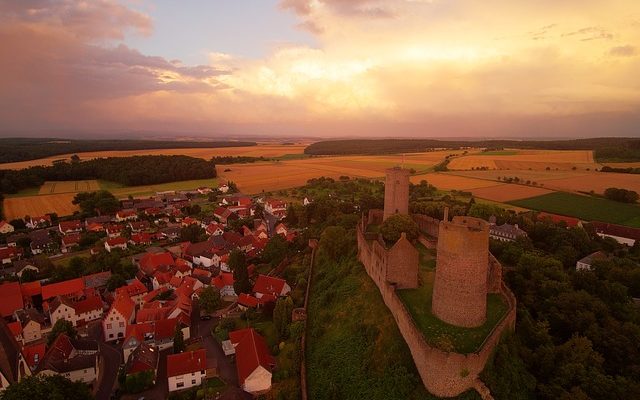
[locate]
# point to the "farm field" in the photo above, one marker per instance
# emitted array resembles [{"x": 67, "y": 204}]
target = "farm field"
[
  {"x": 69, "y": 187},
  {"x": 525, "y": 159},
  {"x": 505, "y": 192},
  {"x": 266, "y": 150},
  {"x": 584, "y": 207},
  {"x": 571, "y": 181},
  {"x": 149, "y": 190},
  {"x": 258, "y": 177},
  {"x": 452, "y": 182},
  {"x": 18, "y": 207}
]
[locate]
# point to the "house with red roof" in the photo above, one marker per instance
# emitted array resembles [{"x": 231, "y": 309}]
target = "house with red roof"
[
  {"x": 120, "y": 315},
  {"x": 139, "y": 226},
  {"x": 114, "y": 230},
  {"x": 69, "y": 241},
  {"x": 16, "y": 329},
  {"x": 186, "y": 370},
  {"x": 115, "y": 243},
  {"x": 33, "y": 354},
  {"x": 126, "y": 215},
  {"x": 75, "y": 359},
  {"x": 79, "y": 312},
  {"x": 5, "y": 228},
  {"x": 214, "y": 229},
  {"x": 135, "y": 290},
  {"x": 270, "y": 285},
  {"x": 246, "y": 301},
  {"x": 11, "y": 299},
  {"x": 152, "y": 262},
  {"x": 140, "y": 239},
  {"x": 73, "y": 226},
  {"x": 161, "y": 279},
  {"x": 136, "y": 334},
  {"x": 224, "y": 215},
  {"x": 275, "y": 206},
  {"x": 143, "y": 359},
  {"x": 254, "y": 362},
  {"x": 33, "y": 324},
  {"x": 29, "y": 291},
  {"x": 72, "y": 288},
  {"x": 41, "y": 221},
  {"x": 224, "y": 282},
  {"x": 8, "y": 254},
  {"x": 621, "y": 234}
]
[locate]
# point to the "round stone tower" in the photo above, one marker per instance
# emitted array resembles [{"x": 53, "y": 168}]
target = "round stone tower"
[
  {"x": 460, "y": 286},
  {"x": 396, "y": 192}
]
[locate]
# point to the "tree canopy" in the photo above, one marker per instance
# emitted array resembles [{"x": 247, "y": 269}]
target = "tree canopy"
[
  {"x": 395, "y": 225},
  {"x": 41, "y": 387}
]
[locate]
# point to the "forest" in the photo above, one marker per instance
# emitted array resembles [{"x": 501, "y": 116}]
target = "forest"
[
  {"x": 128, "y": 171},
  {"x": 606, "y": 149},
  {"x": 23, "y": 149}
]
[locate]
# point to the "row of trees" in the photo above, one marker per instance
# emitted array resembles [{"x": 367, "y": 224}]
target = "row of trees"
[
  {"x": 128, "y": 171},
  {"x": 621, "y": 195}
]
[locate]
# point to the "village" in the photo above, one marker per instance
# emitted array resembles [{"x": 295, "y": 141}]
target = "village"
[{"x": 183, "y": 321}]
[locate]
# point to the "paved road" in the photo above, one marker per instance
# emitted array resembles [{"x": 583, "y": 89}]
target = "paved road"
[{"x": 111, "y": 360}]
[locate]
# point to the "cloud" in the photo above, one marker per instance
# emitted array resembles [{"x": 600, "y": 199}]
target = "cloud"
[{"x": 623, "y": 51}]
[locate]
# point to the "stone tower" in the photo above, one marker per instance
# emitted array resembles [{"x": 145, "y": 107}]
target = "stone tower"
[
  {"x": 460, "y": 286},
  {"x": 396, "y": 192}
]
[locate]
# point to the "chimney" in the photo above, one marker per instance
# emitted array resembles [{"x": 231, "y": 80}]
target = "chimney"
[{"x": 446, "y": 214}]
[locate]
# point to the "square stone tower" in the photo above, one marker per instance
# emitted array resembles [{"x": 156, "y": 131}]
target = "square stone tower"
[{"x": 396, "y": 192}]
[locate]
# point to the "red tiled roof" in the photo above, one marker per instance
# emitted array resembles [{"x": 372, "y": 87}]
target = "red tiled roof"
[
  {"x": 133, "y": 289},
  {"x": 269, "y": 285},
  {"x": 152, "y": 261},
  {"x": 165, "y": 328},
  {"x": 124, "y": 305},
  {"x": 31, "y": 351},
  {"x": 15, "y": 328},
  {"x": 116, "y": 241},
  {"x": 247, "y": 300},
  {"x": 30, "y": 289},
  {"x": 89, "y": 304},
  {"x": 141, "y": 237},
  {"x": 556, "y": 219},
  {"x": 70, "y": 225},
  {"x": 222, "y": 280},
  {"x": 616, "y": 230},
  {"x": 152, "y": 314},
  {"x": 187, "y": 362},
  {"x": 139, "y": 331},
  {"x": 251, "y": 352},
  {"x": 71, "y": 287},
  {"x": 72, "y": 238},
  {"x": 8, "y": 252}
]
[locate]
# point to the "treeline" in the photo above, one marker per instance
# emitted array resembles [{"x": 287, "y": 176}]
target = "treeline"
[
  {"x": 614, "y": 149},
  {"x": 128, "y": 171},
  {"x": 621, "y": 195},
  {"x": 223, "y": 160},
  {"x": 629, "y": 170},
  {"x": 23, "y": 149}
]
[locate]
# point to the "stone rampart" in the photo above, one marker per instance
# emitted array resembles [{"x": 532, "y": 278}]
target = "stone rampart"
[{"x": 443, "y": 373}]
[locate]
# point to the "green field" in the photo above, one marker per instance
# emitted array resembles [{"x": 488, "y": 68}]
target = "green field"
[
  {"x": 584, "y": 207},
  {"x": 148, "y": 190},
  {"x": 438, "y": 333}
]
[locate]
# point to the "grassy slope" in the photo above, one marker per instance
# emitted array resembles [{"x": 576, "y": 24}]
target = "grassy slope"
[
  {"x": 355, "y": 350},
  {"x": 584, "y": 207}
]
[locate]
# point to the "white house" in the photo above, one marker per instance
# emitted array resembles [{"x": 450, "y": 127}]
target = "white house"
[
  {"x": 186, "y": 370},
  {"x": 120, "y": 315},
  {"x": 79, "y": 312},
  {"x": 584, "y": 264},
  {"x": 253, "y": 361},
  {"x": 115, "y": 243},
  {"x": 5, "y": 227}
]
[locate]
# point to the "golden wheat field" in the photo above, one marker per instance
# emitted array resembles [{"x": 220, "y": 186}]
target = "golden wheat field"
[
  {"x": 452, "y": 182},
  {"x": 18, "y": 207},
  {"x": 507, "y": 192},
  {"x": 69, "y": 187},
  {"x": 265, "y": 150},
  {"x": 527, "y": 159}
]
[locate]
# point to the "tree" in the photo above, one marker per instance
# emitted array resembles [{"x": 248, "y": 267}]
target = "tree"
[
  {"x": 282, "y": 316},
  {"x": 395, "y": 225},
  {"x": 136, "y": 383},
  {"x": 61, "y": 326},
  {"x": 40, "y": 387},
  {"x": 28, "y": 275},
  {"x": 276, "y": 250},
  {"x": 621, "y": 195},
  {"x": 335, "y": 243},
  {"x": 18, "y": 224},
  {"x": 178, "y": 341},
  {"x": 100, "y": 202},
  {"x": 115, "y": 281},
  {"x": 209, "y": 299},
  {"x": 75, "y": 159},
  {"x": 192, "y": 233},
  {"x": 238, "y": 264}
]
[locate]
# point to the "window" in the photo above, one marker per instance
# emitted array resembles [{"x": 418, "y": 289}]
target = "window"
[
  {"x": 121, "y": 324},
  {"x": 180, "y": 384},
  {"x": 110, "y": 335},
  {"x": 109, "y": 326},
  {"x": 193, "y": 381}
]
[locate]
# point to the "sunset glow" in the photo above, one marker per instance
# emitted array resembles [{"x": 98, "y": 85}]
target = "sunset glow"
[{"x": 331, "y": 68}]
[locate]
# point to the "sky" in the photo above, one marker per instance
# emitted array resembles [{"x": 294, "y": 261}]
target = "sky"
[{"x": 320, "y": 68}]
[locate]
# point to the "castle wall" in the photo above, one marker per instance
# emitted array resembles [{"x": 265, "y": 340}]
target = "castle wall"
[
  {"x": 460, "y": 286},
  {"x": 444, "y": 374},
  {"x": 402, "y": 264},
  {"x": 427, "y": 224}
]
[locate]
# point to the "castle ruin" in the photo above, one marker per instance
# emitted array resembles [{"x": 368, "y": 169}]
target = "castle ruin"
[{"x": 465, "y": 274}]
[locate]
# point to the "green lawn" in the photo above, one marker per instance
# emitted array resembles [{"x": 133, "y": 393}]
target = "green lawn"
[
  {"x": 32, "y": 191},
  {"x": 584, "y": 207},
  {"x": 148, "y": 190},
  {"x": 437, "y": 332}
]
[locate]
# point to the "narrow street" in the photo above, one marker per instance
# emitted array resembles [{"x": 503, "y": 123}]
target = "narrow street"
[{"x": 111, "y": 360}]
